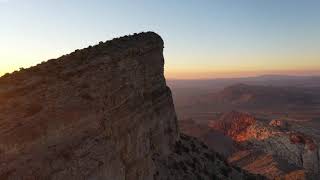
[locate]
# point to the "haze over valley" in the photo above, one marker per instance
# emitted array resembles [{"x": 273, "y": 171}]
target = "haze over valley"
[{"x": 253, "y": 121}]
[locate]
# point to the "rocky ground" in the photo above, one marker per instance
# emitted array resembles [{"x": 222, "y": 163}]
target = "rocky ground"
[
  {"x": 275, "y": 149},
  {"x": 192, "y": 159}
]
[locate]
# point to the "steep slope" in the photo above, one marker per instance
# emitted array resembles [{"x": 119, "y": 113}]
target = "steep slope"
[
  {"x": 99, "y": 112},
  {"x": 103, "y": 112},
  {"x": 192, "y": 160},
  {"x": 215, "y": 140}
]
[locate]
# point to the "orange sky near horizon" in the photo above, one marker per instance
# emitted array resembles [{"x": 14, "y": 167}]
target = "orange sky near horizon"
[
  {"x": 207, "y": 39},
  {"x": 236, "y": 74},
  {"x": 212, "y": 71}
]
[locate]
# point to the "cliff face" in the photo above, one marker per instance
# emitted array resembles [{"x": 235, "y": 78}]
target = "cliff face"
[
  {"x": 103, "y": 112},
  {"x": 99, "y": 112}
]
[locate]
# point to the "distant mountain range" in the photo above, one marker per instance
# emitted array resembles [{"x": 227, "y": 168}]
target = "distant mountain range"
[
  {"x": 262, "y": 97},
  {"x": 274, "y": 80},
  {"x": 269, "y": 93}
]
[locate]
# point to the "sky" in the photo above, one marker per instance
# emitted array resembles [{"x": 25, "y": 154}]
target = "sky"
[{"x": 203, "y": 38}]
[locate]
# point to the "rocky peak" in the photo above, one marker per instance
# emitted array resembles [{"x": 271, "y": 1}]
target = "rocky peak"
[{"x": 103, "y": 112}]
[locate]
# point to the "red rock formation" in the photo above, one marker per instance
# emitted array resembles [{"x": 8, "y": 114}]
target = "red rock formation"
[
  {"x": 300, "y": 138},
  {"x": 234, "y": 124},
  {"x": 275, "y": 139},
  {"x": 259, "y": 162},
  {"x": 279, "y": 123}
]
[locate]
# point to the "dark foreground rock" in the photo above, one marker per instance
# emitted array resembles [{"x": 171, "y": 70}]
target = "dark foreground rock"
[{"x": 192, "y": 160}]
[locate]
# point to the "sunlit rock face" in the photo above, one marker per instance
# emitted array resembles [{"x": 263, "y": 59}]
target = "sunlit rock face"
[
  {"x": 239, "y": 126},
  {"x": 265, "y": 147},
  {"x": 99, "y": 112},
  {"x": 279, "y": 123}
]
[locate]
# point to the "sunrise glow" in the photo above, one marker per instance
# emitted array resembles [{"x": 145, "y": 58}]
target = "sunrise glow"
[{"x": 221, "y": 39}]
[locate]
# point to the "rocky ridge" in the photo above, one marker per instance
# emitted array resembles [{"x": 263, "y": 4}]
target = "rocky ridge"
[
  {"x": 275, "y": 141},
  {"x": 103, "y": 112}
]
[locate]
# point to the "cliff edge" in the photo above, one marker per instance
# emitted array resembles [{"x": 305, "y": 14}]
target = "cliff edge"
[{"x": 103, "y": 112}]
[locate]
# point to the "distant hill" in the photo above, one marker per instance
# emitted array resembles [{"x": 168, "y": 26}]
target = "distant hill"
[
  {"x": 256, "y": 96},
  {"x": 269, "y": 79},
  {"x": 250, "y": 98},
  {"x": 193, "y": 97}
]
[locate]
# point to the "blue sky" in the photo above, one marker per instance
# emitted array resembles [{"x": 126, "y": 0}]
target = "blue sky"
[{"x": 203, "y": 38}]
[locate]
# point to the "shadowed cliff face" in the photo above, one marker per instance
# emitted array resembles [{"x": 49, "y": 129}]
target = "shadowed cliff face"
[
  {"x": 98, "y": 112},
  {"x": 103, "y": 112}
]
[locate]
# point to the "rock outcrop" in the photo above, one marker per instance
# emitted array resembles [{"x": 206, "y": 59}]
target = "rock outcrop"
[
  {"x": 273, "y": 142},
  {"x": 193, "y": 160},
  {"x": 103, "y": 112},
  {"x": 279, "y": 123},
  {"x": 98, "y": 112},
  {"x": 239, "y": 126}
]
